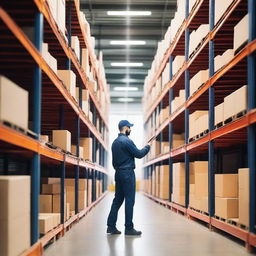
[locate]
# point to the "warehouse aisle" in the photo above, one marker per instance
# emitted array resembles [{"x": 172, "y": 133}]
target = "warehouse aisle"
[{"x": 164, "y": 233}]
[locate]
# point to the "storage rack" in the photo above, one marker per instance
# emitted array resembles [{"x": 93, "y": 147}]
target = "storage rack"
[
  {"x": 240, "y": 131},
  {"x": 51, "y": 106}
]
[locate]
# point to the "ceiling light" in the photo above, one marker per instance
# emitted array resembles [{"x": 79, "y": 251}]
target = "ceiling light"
[
  {"x": 126, "y": 64},
  {"x": 127, "y": 42},
  {"x": 126, "y": 88},
  {"x": 129, "y": 13},
  {"x": 125, "y": 99},
  {"x": 128, "y": 80}
]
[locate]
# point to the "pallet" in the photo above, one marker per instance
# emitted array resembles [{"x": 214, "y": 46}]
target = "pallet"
[
  {"x": 233, "y": 222},
  {"x": 218, "y": 125},
  {"x": 200, "y": 135},
  {"x": 199, "y": 211},
  {"x": 17, "y": 128},
  {"x": 198, "y": 47},
  {"x": 241, "y": 47},
  {"x": 235, "y": 117}
]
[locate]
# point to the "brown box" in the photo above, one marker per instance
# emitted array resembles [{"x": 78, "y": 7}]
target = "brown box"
[
  {"x": 85, "y": 61},
  {"x": 226, "y": 185},
  {"x": 179, "y": 175},
  {"x": 204, "y": 204},
  {"x": 44, "y": 138},
  {"x": 67, "y": 211},
  {"x": 229, "y": 106},
  {"x": 51, "y": 188},
  {"x": 75, "y": 45},
  {"x": 177, "y": 143},
  {"x": 201, "y": 185},
  {"x": 69, "y": 79},
  {"x": 81, "y": 150},
  {"x": 226, "y": 207},
  {"x": 45, "y": 204},
  {"x": 46, "y": 180},
  {"x": 55, "y": 218},
  {"x": 198, "y": 79},
  {"x": 56, "y": 204},
  {"x": 191, "y": 189},
  {"x": 13, "y": 103},
  {"x": 86, "y": 143},
  {"x": 62, "y": 139},
  {"x": 89, "y": 191},
  {"x": 164, "y": 182},
  {"x": 14, "y": 214},
  {"x": 71, "y": 183},
  {"x": 46, "y": 223},
  {"x": 241, "y": 32},
  {"x": 241, "y": 99},
  {"x": 243, "y": 193},
  {"x": 199, "y": 167},
  {"x": 219, "y": 114},
  {"x": 86, "y": 107},
  {"x": 82, "y": 195}
]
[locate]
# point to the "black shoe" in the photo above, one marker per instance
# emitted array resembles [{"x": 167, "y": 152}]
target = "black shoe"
[
  {"x": 113, "y": 231},
  {"x": 132, "y": 232}
]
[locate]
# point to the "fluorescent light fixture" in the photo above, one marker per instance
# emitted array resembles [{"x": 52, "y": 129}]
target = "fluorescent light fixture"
[
  {"x": 126, "y": 64},
  {"x": 128, "y": 80},
  {"x": 128, "y": 42},
  {"x": 126, "y": 88},
  {"x": 125, "y": 99},
  {"x": 129, "y": 13}
]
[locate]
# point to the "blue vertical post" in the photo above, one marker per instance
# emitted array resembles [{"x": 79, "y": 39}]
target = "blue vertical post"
[
  {"x": 251, "y": 130},
  {"x": 187, "y": 93},
  {"x": 62, "y": 195},
  {"x": 170, "y": 132},
  {"x": 211, "y": 179},
  {"x": 36, "y": 169},
  {"x": 69, "y": 15},
  {"x": 77, "y": 166}
]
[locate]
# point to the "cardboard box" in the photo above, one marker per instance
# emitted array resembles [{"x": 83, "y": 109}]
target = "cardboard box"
[
  {"x": 75, "y": 45},
  {"x": 61, "y": 15},
  {"x": 67, "y": 211},
  {"x": 194, "y": 202},
  {"x": 201, "y": 185},
  {"x": 229, "y": 106},
  {"x": 86, "y": 107},
  {"x": 178, "y": 175},
  {"x": 81, "y": 151},
  {"x": 62, "y": 139},
  {"x": 202, "y": 123},
  {"x": 69, "y": 79},
  {"x": 204, "y": 204},
  {"x": 11, "y": 188},
  {"x": 44, "y": 138},
  {"x": 199, "y": 167},
  {"x": 164, "y": 182},
  {"x": 219, "y": 114},
  {"x": 82, "y": 202},
  {"x": 86, "y": 143},
  {"x": 226, "y": 185},
  {"x": 240, "y": 97},
  {"x": 46, "y": 180},
  {"x": 56, "y": 204},
  {"x": 89, "y": 192},
  {"x": 45, "y": 204},
  {"x": 82, "y": 183},
  {"x": 222, "y": 60},
  {"x": 226, "y": 207},
  {"x": 198, "y": 79},
  {"x": 54, "y": 216},
  {"x": 241, "y": 32},
  {"x": 14, "y": 214},
  {"x": 243, "y": 193},
  {"x": 13, "y": 103},
  {"x": 177, "y": 64},
  {"x": 177, "y": 143},
  {"x": 193, "y": 125},
  {"x": 46, "y": 223},
  {"x": 53, "y": 63},
  {"x": 220, "y": 8},
  {"x": 51, "y": 188},
  {"x": 191, "y": 189}
]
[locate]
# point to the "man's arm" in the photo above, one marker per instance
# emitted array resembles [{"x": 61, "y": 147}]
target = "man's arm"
[{"x": 135, "y": 151}]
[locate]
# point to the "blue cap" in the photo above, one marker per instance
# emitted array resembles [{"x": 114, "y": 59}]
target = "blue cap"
[{"x": 123, "y": 123}]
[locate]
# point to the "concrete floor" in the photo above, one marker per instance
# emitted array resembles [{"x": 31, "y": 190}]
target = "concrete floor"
[{"x": 164, "y": 233}]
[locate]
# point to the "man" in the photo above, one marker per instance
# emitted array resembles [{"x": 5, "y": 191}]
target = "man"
[{"x": 123, "y": 152}]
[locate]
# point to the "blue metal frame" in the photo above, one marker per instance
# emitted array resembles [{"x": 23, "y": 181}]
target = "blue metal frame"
[
  {"x": 211, "y": 178},
  {"x": 251, "y": 130},
  {"x": 62, "y": 195},
  {"x": 69, "y": 15},
  {"x": 36, "y": 169},
  {"x": 77, "y": 166},
  {"x": 170, "y": 132}
]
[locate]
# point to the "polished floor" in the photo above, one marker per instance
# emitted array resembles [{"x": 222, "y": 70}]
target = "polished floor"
[{"x": 164, "y": 233}]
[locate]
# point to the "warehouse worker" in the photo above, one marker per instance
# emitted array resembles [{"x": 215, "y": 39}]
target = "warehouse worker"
[{"x": 123, "y": 153}]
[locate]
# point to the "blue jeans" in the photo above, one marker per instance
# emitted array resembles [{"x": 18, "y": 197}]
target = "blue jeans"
[{"x": 125, "y": 189}]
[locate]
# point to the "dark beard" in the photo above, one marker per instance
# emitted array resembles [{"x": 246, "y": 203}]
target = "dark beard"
[{"x": 127, "y": 133}]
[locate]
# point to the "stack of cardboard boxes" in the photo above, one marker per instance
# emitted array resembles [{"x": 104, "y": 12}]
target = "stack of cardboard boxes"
[
  {"x": 86, "y": 144},
  {"x": 178, "y": 140},
  {"x": 197, "y": 80},
  {"x": 75, "y": 45},
  {"x": 164, "y": 182},
  {"x": 177, "y": 64},
  {"x": 226, "y": 195},
  {"x": 198, "y": 123},
  {"x": 178, "y": 101},
  {"x": 220, "y": 8},
  {"x": 221, "y": 60},
  {"x": 50, "y": 60},
  {"x": 69, "y": 80},
  {"x": 14, "y": 215},
  {"x": 62, "y": 139},
  {"x": 178, "y": 191},
  {"x": 198, "y": 188},
  {"x": 241, "y": 33}
]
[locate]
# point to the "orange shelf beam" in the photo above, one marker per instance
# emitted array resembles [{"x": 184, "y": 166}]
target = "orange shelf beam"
[
  {"x": 34, "y": 250},
  {"x": 198, "y": 215}
]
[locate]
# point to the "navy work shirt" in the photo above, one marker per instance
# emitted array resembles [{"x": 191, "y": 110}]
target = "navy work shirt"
[{"x": 124, "y": 151}]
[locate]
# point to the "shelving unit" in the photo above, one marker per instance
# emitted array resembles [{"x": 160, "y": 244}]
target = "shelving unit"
[
  {"x": 240, "y": 131},
  {"x": 51, "y": 107}
]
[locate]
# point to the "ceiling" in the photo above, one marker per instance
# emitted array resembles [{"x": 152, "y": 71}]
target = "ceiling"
[{"x": 147, "y": 28}]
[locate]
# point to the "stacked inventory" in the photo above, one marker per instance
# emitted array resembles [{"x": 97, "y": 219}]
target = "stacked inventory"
[
  {"x": 207, "y": 140},
  {"x": 53, "y": 112}
]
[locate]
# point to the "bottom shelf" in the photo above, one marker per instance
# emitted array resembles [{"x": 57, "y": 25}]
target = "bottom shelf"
[
  {"x": 37, "y": 249},
  {"x": 242, "y": 234}
]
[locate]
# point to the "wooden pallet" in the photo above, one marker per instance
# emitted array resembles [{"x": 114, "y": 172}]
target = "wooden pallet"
[
  {"x": 199, "y": 211},
  {"x": 19, "y": 129},
  {"x": 218, "y": 125},
  {"x": 233, "y": 222},
  {"x": 241, "y": 47},
  {"x": 235, "y": 117}
]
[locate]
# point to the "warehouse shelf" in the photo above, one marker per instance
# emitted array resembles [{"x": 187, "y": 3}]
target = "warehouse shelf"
[
  {"x": 23, "y": 141},
  {"x": 43, "y": 7},
  {"x": 242, "y": 234},
  {"x": 17, "y": 32},
  {"x": 211, "y": 36}
]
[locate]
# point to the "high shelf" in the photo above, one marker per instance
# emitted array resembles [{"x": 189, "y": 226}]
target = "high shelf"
[
  {"x": 36, "y": 42},
  {"x": 201, "y": 76}
]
